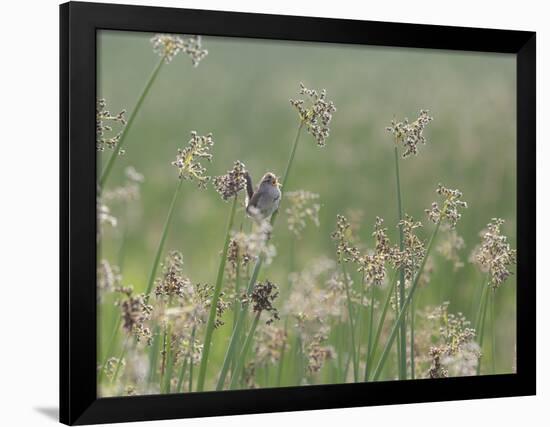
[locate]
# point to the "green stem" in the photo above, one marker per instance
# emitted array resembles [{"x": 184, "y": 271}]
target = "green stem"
[
  {"x": 108, "y": 168},
  {"x": 411, "y": 313},
  {"x": 237, "y": 290},
  {"x": 370, "y": 357},
  {"x": 121, "y": 356},
  {"x": 169, "y": 361},
  {"x": 404, "y": 307},
  {"x": 235, "y": 336},
  {"x": 281, "y": 363},
  {"x": 482, "y": 299},
  {"x": 493, "y": 334},
  {"x": 215, "y": 298},
  {"x": 483, "y": 311},
  {"x": 158, "y": 254},
  {"x": 191, "y": 359},
  {"x": 371, "y": 321},
  {"x": 402, "y": 326},
  {"x": 360, "y": 320},
  {"x": 351, "y": 321},
  {"x": 112, "y": 342},
  {"x": 153, "y": 355},
  {"x": 182, "y": 375},
  {"x": 246, "y": 348}
]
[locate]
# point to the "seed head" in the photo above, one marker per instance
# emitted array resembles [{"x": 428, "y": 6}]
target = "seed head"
[
  {"x": 129, "y": 191},
  {"x": 301, "y": 207},
  {"x": 450, "y": 248},
  {"x": 317, "y": 115},
  {"x": 345, "y": 250},
  {"x": 232, "y": 182},
  {"x": 413, "y": 251},
  {"x": 203, "y": 298},
  {"x": 373, "y": 265},
  {"x": 169, "y": 45},
  {"x": 104, "y": 121},
  {"x": 251, "y": 245},
  {"x": 455, "y": 342},
  {"x": 494, "y": 255},
  {"x": 269, "y": 344},
  {"x": 410, "y": 134},
  {"x": 262, "y": 297},
  {"x": 449, "y": 212},
  {"x": 108, "y": 276},
  {"x": 317, "y": 353},
  {"x": 135, "y": 312},
  {"x": 172, "y": 283},
  {"x": 188, "y": 159}
]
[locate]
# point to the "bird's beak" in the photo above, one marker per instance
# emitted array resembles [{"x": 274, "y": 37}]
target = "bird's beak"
[{"x": 276, "y": 183}]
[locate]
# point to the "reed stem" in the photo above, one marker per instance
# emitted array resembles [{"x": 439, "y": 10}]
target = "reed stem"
[
  {"x": 370, "y": 357},
  {"x": 246, "y": 348},
  {"x": 109, "y": 167},
  {"x": 402, "y": 326},
  {"x": 215, "y": 298},
  {"x": 158, "y": 254},
  {"x": 351, "y": 322},
  {"x": 404, "y": 307}
]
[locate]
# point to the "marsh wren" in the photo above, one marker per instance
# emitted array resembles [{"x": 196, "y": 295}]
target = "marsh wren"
[{"x": 265, "y": 200}]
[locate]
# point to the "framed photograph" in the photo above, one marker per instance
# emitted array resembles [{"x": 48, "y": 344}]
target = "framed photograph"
[{"x": 268, "y": 213}]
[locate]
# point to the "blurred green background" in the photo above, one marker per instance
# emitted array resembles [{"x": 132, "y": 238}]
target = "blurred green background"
[{"x": 240, "y": 92}]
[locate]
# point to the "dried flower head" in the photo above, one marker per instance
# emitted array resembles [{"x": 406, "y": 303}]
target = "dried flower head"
[
  {"x": 251, "y": 245},
  {"x": 129, "y": 191},
  {"x": 410, "y": 134},
  {"x": 437, "y": 370},
  {"x": 203, "y": 297},
  {"x": 172, "y": 283},
  {"x": 232, "y": 182},
  {"x": 317, "y": 115},
  {"x": 494, "y": 255},
  {"x": 449, "y": 212},
  {"x": 188, "y": 159},
  {"x": 373, "y": 264},
  {"x": 262, "y": 297},
  {"x": 108, "y": 276},
  {"x": 317, "y": 293},
  {"x": 455, "y": 342},
  {"x": 169, "y": 45},
  {"x": 113, "y": 364},
  {"x": 190, "y": 349},
  {"x": 104, "y": 217},
  {"x": 301, "y": 207},
  {"x": 410, "y": 258},
  {"x": 269, "y": 344},
  {"x": 104, "y": 121},
  {"x": 317, "y": 353},
  {"x": 450, "y": 248},
  {"x": 135, "y": 311},
  {"x": 345, "y": 250}
]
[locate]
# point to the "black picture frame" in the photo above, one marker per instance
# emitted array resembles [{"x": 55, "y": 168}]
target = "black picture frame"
[{"x": 79, "y": 22}]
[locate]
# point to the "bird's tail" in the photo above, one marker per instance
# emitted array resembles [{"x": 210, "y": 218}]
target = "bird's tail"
[{"x": 249, "y": 185}]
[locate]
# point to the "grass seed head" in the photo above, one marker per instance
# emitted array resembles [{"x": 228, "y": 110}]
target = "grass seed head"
[
  {"x": 301, "y": 207},
  {"x": 169, "y": 45},
  {"x": 188, "y": 159},
  {"x": 232, "y": 182},
  {"x": 104, "y": 122},
  {"x": 449, "y": 212},
  {"x": 410, "y": 134},
  {"x": 494, "y": 255},
  {"x": 317, "y": 115}
]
